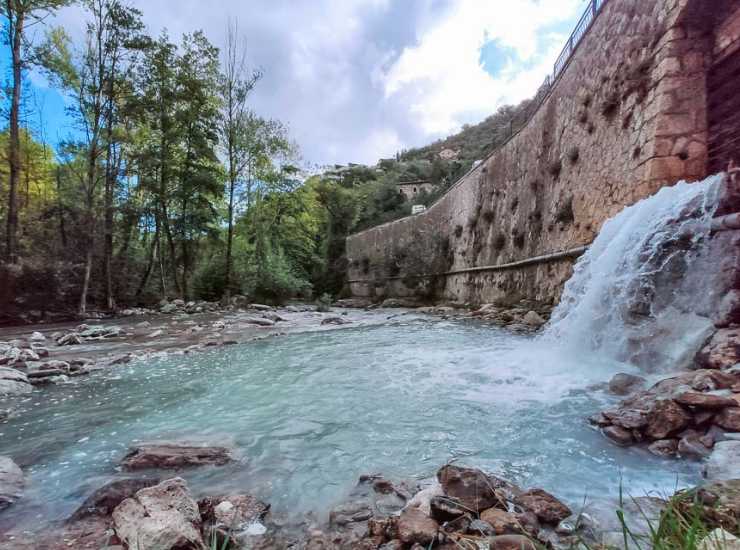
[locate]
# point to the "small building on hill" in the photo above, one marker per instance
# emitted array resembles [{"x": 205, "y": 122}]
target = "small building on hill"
[{"x": 410, "y": 189}]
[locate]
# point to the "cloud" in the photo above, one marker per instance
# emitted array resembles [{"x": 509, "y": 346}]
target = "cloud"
[
  {"x": 443, "y": 72},
  {"x": 356, "y": 80}
]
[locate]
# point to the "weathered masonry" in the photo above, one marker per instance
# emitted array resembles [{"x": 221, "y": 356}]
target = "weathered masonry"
[{"x": 648, "y": 97}]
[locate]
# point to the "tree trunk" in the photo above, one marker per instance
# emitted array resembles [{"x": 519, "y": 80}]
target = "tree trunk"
[{"x": 15, "y": 25}]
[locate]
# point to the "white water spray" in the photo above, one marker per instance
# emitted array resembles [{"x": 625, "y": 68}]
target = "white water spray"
[{"x": 644, "y": 291}]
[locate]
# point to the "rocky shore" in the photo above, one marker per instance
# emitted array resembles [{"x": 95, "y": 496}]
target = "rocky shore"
[{"x": 460, "y": 508}]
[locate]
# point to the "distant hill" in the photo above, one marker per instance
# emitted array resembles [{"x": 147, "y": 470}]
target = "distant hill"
[{"x": 475, "y": 141}]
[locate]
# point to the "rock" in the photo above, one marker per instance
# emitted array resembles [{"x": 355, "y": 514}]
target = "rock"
[
  {"x": 162, "y": 517},
  {"x": 443, "y": 508},
  {"x": 719, "y": 539},
  {"x": 722, "y": 351},
  {"x": 705, "y": 400},
  {"x": 724, "y": 462},
  {"x": 501, "y": 521},
  {"x": 260, "y": 307},
  {"x": 629, "y": 419},
  {"x": 692, "y": 447},
  {"x": 471, "y": 487},
  {"x": 12, "y": 482},
  {"x": 104, "y": 500},
  {"x": 335, "y": 321},
  {"x": 178, "y": 302},
  {"x": 728, "y": 312},
  {"x": 157, "y": 333},
  {"x": 665, "y": 419},
  {"x": 415, "y": 527},
  {"x": 729, "y": 419},
  {"x": 14, "y": 382},
  {"x": 143, "y": 324},
  {"x": 261, "y": 321},
  {"x": 70, "y": 339},
  {"x": 533, "y": 319},
  {"x": 664, "y": 447},
  {"x": 481, "y": 528},
  {"x": 423, "y": 498},
  {"x": 168, "y": 309},
  {"x": 546, "y": 507},
  {"x": 619, "y": 435},
  {"x": 511, "y": 542},
  {"x": 624, "y": 384},
  {"x": 37, "y": 337},
  {"x": 101, "y": 331},
  {"x": 599, "y": 420},
  {"x": 174, "y": 454},
  {"x": 229, "y": 517}
]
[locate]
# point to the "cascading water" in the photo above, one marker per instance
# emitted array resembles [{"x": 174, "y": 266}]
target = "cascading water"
[{"x": 644, "y": 290}]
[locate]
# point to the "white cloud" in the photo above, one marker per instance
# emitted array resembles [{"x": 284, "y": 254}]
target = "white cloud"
[
  {"x": 443, "y": 73},
  {"x": 357, "y": 80}
]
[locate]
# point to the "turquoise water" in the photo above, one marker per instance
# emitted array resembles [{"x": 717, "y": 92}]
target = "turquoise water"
[{"x": 309, "y": 413}]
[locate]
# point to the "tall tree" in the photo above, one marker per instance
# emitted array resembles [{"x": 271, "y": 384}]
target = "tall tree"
[
  {"x": 19, "y": 16},
  {"x": 236, "y": 83}
]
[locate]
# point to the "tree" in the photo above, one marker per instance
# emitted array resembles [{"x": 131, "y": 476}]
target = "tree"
[
  {"x": 236, "y": 84},
  {"x": 19, "y": 16}
]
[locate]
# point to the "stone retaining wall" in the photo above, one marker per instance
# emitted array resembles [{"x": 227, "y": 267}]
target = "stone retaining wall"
[{"x": 625, "y": 117}]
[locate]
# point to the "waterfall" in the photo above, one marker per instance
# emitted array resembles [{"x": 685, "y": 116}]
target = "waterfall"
[{"x": 644, "y": 291}]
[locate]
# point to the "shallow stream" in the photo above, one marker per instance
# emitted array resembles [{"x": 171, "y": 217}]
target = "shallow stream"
[{"x": 309, "y": 413}]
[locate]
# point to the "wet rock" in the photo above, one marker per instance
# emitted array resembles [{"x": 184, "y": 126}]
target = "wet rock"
[
  {"x": 724, "y": 462},
  {"x": 728, "y": 312},
  {"x": 174, "y": 454},
  {"x": 373, "y": 496},
  {"x": 70, "y": 339},
  {"x": 729, "y": 419},
  {"x": 443, "y": 508},
  {"x": 14, "y": 382},
  {"x": 232, "y": 516},
  {"x": 101, "y": 331},
  {"x": 624, "y": 384},
  {"x": 692, "y": 447},
  {"x": 705, "y": 400},
  {"x": 472, "y": 488},
  {"x": 533, "y": 319},
  {"x": 546, "y": 507},
  {"x": 511, "y": 542},
  {"x": 665, "y": 419},
  {"x": 168, "y": 308},
  {"x": 423, "y": 498},
  {"x": 260, "y": 321},
  {"x": 599, "y": 420},
  {"x": 162, "y": 517},
  {"x": 104, "y": 500},
  {"x": 335, "y": 321},
  {"x": 722, "y": 351},
  {"x": 37, "y": 337},
  {"x": 12, "y": 482},
  {"x": 619, "y": 435},
  {"x": 629, "y": 419},
  {"x": 501, "y": 522},
  {"x": 664, "y": 447},
  {"x": 416, "y": 527},
  {"x": 260, "y": 307}
]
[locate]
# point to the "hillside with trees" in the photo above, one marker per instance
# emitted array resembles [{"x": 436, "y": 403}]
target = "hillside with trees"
[{"x": 170, "y": 185}]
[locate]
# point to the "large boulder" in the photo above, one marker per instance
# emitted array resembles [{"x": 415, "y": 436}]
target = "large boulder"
[
  {"x": 624, "y": 384},
  {"x": 12, "y": 482},
  {"x": 546, "y": 507},
  {"x": 103, "y": 501},
  {"x": 14, "y": 382},
  {"x": 665, "y": 419},
  {"x": 722, "y": 351},
  {"x": 414, "y": 526},
  {"x": 724, "y": 462},
  {"x": 472, "y": 488},
  {"x": 174, "y": 454},
  {"x": 162, "y": 517},
  {"x": 729, "y": 419}
]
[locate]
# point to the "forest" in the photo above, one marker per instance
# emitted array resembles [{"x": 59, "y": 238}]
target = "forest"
[{"x": 170, "y": 185}]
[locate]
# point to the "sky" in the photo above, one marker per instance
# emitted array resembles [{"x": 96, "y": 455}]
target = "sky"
[{"x": 359, "y": 80}]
